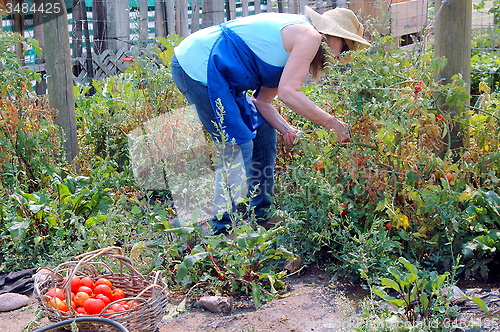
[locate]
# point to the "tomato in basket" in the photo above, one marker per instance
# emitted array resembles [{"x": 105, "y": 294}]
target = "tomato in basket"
[
  {"x": 103, "y": 281},
  {"x": 118, "y": 294},
  {"x": 80, "y": 298},
  {"x": 93, "y": 306},
  {"x": 87, "y": 281},
  {"x": 104, "y": 290}
]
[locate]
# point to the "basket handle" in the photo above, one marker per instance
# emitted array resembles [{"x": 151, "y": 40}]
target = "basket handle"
[{"x": 114, "y": 252}]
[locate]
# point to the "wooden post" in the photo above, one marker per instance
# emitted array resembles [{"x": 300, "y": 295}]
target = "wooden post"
[
  {"x": 213, "y": 12},
  {"x": 99, "y": 25},
  {"x": 231, "y": 9},
  {"x": 159, "y": 18},
  {"x": 170, "y": 8},
  {"x": 89, "y": 66},
  {"x": 256, "y": 6},
  {"x": 244, "y": 7},
  {"x": 40, "y": 86},
  {"x": 60, "y": 76},
  {"x": 19, "y": 28},
  {"x": 195, "y": 16},
  {"x": 143, "y": 22},
  {"x": 182, "y": 11},
  {"x": 452, "y": 34},
  {"x": 77, "y": 34},
  {"x": 118, "y": 25}
]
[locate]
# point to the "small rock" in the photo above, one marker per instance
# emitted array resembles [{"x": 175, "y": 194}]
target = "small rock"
[
  {"x": 13, "y": 301},
  {"x": 457, "y": 295},
  {"x": 293, "y": 265},
  {"x": 217, "y": 304}
]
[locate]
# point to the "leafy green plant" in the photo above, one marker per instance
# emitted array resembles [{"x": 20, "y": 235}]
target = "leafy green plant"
[
  {"x": 248, "y": 264},
  {"x": 483, "y": 211},
  {"x": 37, "y": 225},
  {"x": 416, "y": 300}
]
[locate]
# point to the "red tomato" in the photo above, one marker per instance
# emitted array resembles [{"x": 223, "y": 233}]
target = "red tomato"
[
  {"x": 85, "y": 289},
  {"x": 357, "y": 161},
  {"x": 449, "y": 177},
  {"x": 117, "y": 307},
  {"x": 73, "y": 305},
  {"x": 319, "y": 165},
  {"x": 87, "y": 281},
  {"x": 344, "y": 211},
  {"x": 80, "y": 311},
  {"x": 107, "y": 313},
  {"x": 103, "y": 281},
  {"x": 104, "y": 298},
  {"x": 75, "y": 283},
  {"x": 80, "y": 298},
  {"x": 132, "y": 303},
  {"x": 104, "y": 290},
  {"x": 118, "y": 294},
  {"x": 93, "y": 306},
  {"x": 55, "y": 292}
]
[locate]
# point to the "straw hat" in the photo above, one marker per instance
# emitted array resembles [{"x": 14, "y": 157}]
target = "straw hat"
[{"x": 338, "y": 22}]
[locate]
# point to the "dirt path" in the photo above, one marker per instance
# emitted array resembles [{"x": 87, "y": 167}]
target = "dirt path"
[{"x": 313, "y": 304}]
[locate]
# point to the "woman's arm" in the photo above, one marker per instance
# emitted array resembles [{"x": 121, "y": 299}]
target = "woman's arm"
[
  {"x": 302, "y": 42},
  {"x": 263, "y": 102}
]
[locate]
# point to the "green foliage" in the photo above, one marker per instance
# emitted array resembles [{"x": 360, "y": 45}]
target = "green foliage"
[
  {"x": 29, "y": 140},
  {"x": 400, "y": 181},
  {"x": 122, "y": 103},
  {"x": 395, "y": 190},
  {"x": 40, "y": 224},
  {"x": 485, "y": 68},
  {"x": 247, "y": 264},
  {"x": 416, "y": 301}
]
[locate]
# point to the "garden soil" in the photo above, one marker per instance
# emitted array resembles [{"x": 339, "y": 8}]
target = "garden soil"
[{"x": 312, "y": 303}]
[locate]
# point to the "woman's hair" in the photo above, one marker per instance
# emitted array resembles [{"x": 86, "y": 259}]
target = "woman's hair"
[{"x": 318, "y": 64}]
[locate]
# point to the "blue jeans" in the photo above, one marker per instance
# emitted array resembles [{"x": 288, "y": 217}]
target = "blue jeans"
[{"x": 259, "y": 154}]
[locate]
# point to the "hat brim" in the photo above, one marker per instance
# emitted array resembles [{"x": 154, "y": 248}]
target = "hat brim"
[{"x": 320, "y": 24}]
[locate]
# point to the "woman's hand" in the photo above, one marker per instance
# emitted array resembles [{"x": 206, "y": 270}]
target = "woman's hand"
[
  {"x": 291, "y": 138},
  {"x": 341, "y": 129}
]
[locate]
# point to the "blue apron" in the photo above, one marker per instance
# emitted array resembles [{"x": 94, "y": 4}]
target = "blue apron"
[{"x": 233, "y": 69}]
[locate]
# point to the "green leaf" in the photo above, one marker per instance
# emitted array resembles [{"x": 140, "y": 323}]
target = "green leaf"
[
  {"x": 136, "y": 210},
  {"x": 180, "y": 230},
  {"x": 397, "y": 302},
  {"x": 256, "y": 294},
  {"x": 480, "y": 303},
  {"x": 381, "y": 293},
  {"x": 409, "y": 266},
  {"x": 18, "y": 230},
  {"x": 424, "y": 299},
  {"x": 390, "y": 283},
  {"x": 95, "y": 220}
]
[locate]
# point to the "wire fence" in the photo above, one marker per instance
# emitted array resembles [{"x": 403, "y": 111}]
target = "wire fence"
[{"x": 118, "y": 26}]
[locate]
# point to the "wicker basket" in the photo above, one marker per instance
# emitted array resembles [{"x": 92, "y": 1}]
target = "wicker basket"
[{"x": 149, "y": 291}]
